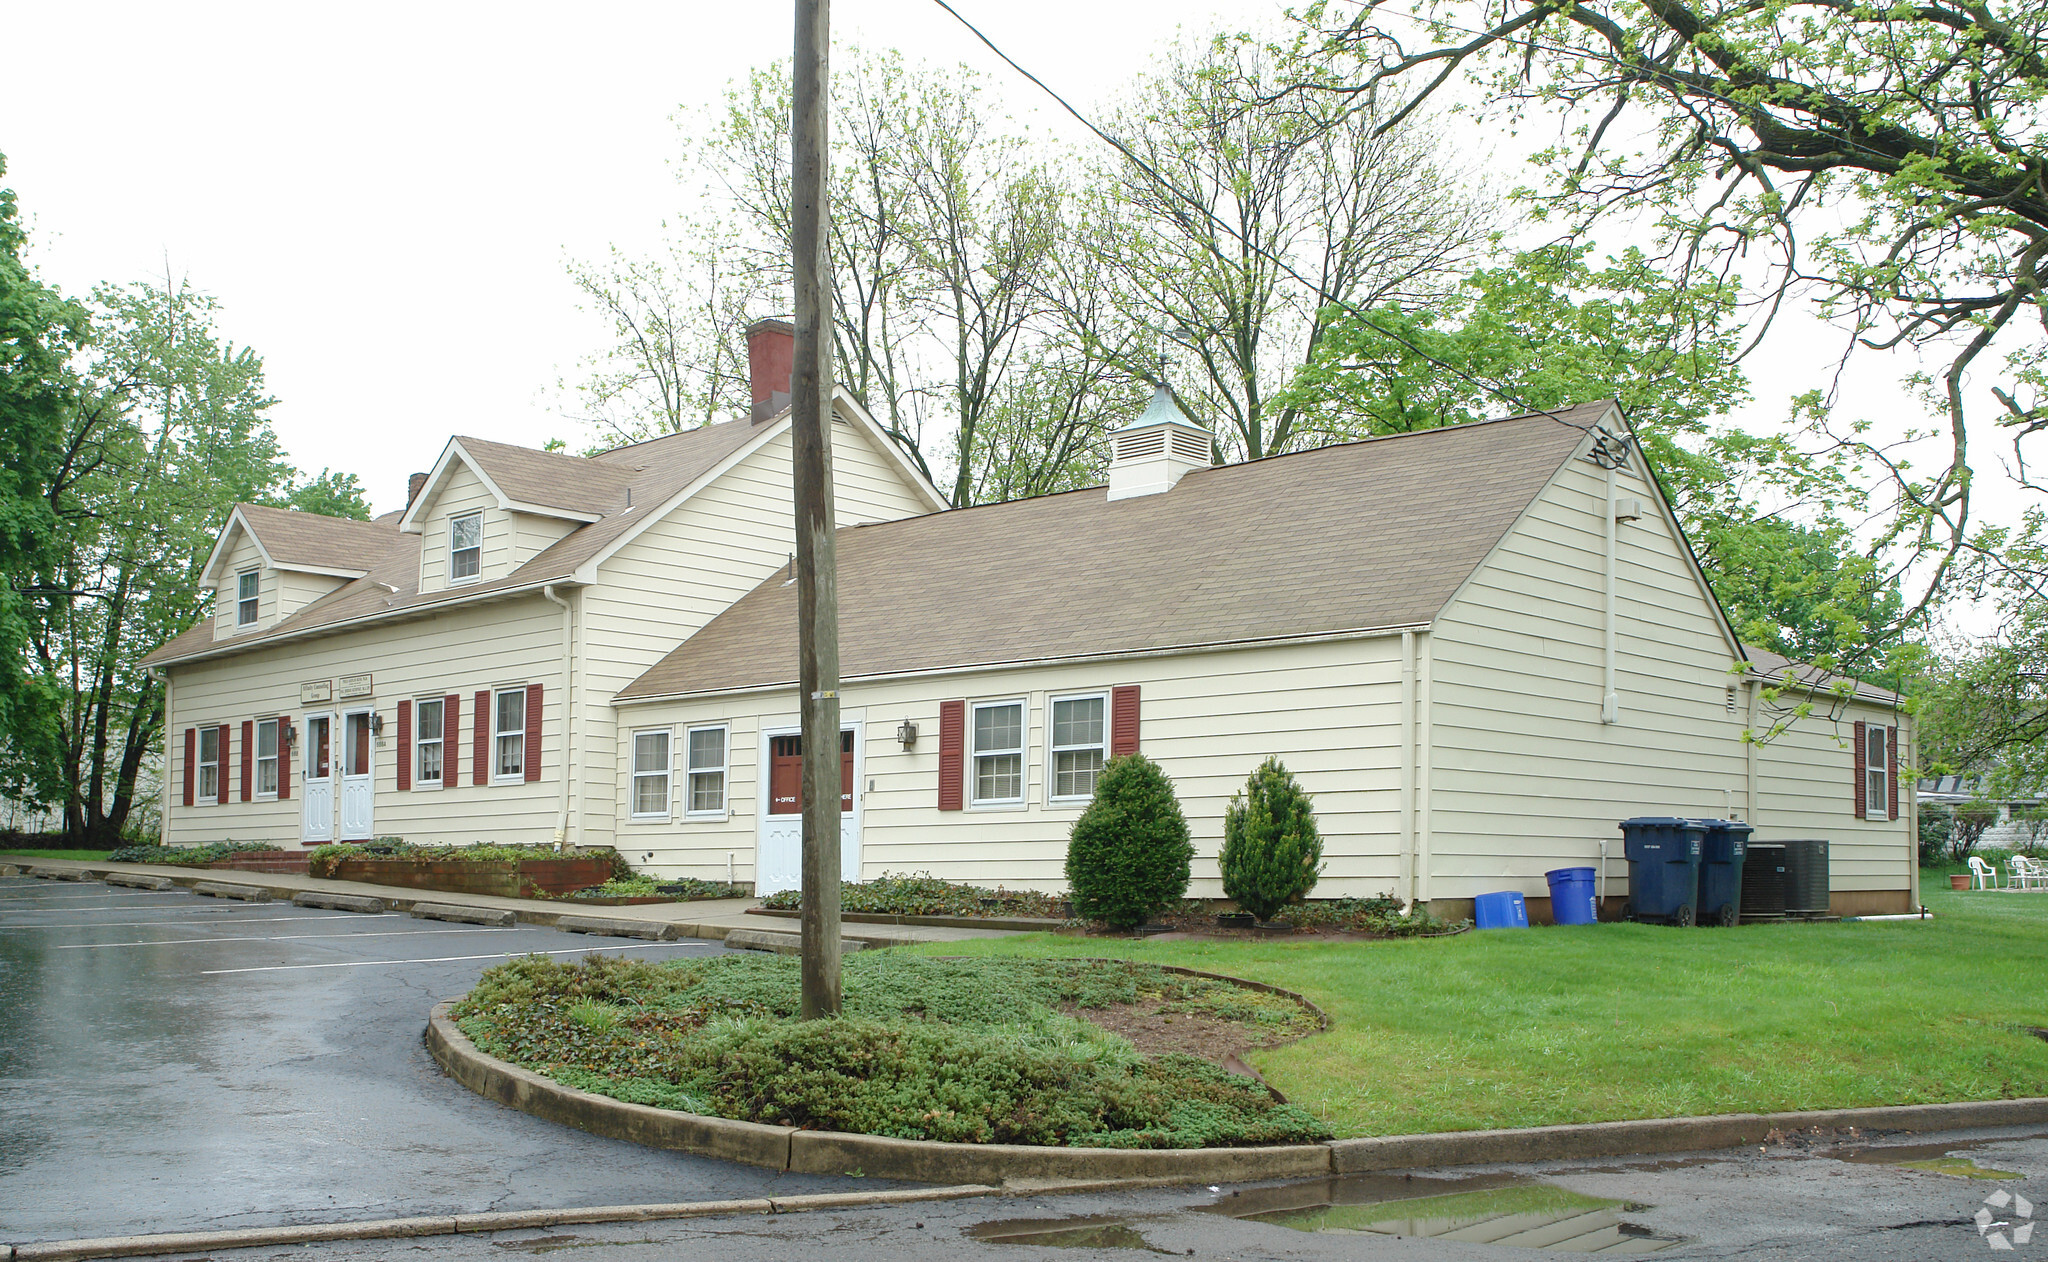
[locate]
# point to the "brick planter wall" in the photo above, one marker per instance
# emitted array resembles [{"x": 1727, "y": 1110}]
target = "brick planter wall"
[
  {"x": 501, "y": 877},
  {"x": 283, "y": 862}
]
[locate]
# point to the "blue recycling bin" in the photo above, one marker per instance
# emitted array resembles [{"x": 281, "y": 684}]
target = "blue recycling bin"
[
  {"x": 1663, "y": 868},
  {"x": 1504, "y": 910},
  {"x": 1573, "y": 900},
  {"x": 1721, "y": 854}
]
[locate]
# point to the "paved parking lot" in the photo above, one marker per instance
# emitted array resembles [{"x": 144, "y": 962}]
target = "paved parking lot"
[{"x": 176, "y": 1063}]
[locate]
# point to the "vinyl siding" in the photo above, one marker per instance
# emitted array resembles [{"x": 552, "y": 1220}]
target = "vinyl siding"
[
  {"x": 296, "y": 591},
  {"x": 530, "y": 534},
  {"x": 244, "y": 555},
  {"x": 1806, "y": 787},
  {"x": 1330, "y": 710},
  {"x": 464, "y": 492},
  {"x": 460, "y": 651}
]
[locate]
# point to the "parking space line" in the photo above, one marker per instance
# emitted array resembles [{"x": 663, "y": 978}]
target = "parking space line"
[
  {"x": 214, "y": 908},
  {"x": 64, "y": 893},
  {"x": 446, "y": 959},
  {"x": 280, "y": 937},
  {"x": 107, "y": 907}
]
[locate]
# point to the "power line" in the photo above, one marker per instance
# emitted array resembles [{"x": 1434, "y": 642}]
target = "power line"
[{"x": 1606, "y": 442}]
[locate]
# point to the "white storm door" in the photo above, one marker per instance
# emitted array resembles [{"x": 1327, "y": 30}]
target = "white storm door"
[
  {"x": 316, "y": 740},
  {"x": 357, "y": 794},
  {"x": 779, "y": 845}
]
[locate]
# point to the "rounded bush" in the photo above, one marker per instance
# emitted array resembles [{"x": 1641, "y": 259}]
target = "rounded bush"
[
  {"x": 1272, "y": 853},
  {"x": 1128, "y": 855}
]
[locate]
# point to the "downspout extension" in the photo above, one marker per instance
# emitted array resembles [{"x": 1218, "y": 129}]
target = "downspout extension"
[{"x": 568, "y": 713}]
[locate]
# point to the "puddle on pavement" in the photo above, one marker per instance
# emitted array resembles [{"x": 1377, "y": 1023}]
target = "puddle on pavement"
[
  {"x": 1065, "y": 1233},
  {"x": 555, "y": 1244},
  {"x": 1934, "y": 1158},
  {"x": 1485, "y": 1209}
]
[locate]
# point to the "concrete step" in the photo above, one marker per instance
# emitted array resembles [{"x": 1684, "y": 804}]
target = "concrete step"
[{"x": 490, "y": 916}]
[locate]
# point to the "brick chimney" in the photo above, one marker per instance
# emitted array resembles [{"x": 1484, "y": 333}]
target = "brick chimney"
[
  {"x": 771, "y": 357},
  {"x": 413, "y": 486}
]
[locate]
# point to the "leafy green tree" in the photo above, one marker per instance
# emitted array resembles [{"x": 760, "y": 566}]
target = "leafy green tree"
[
  {"x": 1272, "y": 852},
  {"x": 1128, "y": 855}
]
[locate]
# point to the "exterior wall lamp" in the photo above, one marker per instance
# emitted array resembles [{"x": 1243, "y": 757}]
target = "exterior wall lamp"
[
  {"x": 906, "y": 732},
  {"x": 376, "y": 725}
]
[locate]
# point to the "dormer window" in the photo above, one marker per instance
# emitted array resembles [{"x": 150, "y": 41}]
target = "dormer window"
[
  {"x": 245, "y": 598},
  {"x": 465, "y": 546}
]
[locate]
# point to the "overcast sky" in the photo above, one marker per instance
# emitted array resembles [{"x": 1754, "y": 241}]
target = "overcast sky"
[{"x": 383, "y": 197}]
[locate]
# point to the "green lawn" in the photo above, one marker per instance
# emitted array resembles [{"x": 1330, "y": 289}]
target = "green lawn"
[
  {"x": 1624, "y": 1021},
  {"x": 83, "y": 856}
]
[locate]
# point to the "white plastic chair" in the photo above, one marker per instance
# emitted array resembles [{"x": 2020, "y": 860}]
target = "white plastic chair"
[
  {"x": 2027, "y": 874},
  {"x": 1983, "y": 876}
]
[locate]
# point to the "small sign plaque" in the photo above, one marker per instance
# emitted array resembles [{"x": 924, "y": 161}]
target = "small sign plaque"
[
  {"x": 354, "y": 686},
  {"x": 313, "y": 694}
]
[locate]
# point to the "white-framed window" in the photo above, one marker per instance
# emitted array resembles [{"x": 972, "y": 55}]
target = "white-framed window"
[
  {"x": 650, "y": 774},
  {"x": 209, "y": 763},
  {"x": 427, "y": 746},
  {"x": 706, "y": 785},
  {"x": 996, "y": 775},
  {"x": 246, "y": 598},
  {"x": 1877, "y": 797},
  {"x": 266, "y": 758},
  {"x": 465, "y": 546},
  {"x": 508, "y": 760},
  {"x": 1078, "y": 737}
]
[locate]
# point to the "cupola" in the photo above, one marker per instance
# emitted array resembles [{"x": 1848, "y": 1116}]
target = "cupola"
[{"x": 1157, "y": 450}]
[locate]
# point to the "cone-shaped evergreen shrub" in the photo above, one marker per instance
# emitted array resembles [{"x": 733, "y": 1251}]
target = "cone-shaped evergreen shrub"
[
  {"x": 1272, "y": 853},
  {"x": 1128, "y": 855}
]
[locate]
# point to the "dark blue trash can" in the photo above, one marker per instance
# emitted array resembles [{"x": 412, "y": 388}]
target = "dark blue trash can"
[
  {"x": 1663, "y": 868},
  {"x": 1505, "y": 910},
  {"x": 1572, "y": 897},
  {"x": 1721, "y": 854}
]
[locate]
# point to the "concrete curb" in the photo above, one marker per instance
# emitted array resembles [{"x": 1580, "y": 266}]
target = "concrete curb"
[
  {"x": 338, "y": 902},
  {"x": 464, "y": 1224},
  {"x": 494, "y": 917},
  {"x": 137, "y": 882},
  {"x": 787, "y": 943},
  {"x": 222, "y": 889},
  {"x": 1020, "y": 924},
  {"x": 614, "y": 927}
]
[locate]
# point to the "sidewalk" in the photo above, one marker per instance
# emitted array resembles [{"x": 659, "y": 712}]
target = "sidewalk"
[{"x": 709, "y": 918}]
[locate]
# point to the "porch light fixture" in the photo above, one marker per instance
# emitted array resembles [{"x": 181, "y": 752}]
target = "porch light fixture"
[
  {"x": 376, "y": 725},
  {"x": 906, "y": 732}
]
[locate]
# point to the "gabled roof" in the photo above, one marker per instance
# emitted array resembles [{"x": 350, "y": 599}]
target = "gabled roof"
[
  {"x": 524, "y": 480},
  {"x": 1776, "y": 668},
  {"x": 306, "y": 542},
  {"x": 1369, "y": 535},
  {"x": 620, "y": 491}
]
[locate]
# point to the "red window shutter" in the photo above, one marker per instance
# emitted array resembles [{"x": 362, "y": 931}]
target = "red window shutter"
[
  {"x": 248, "y": 758},
  {"x": 451, "y": 739},
  {"x": 284, "y": 759},
  {"x": 481, "y": 773},
  {"x": 952, "y": 753},
  {"x": 1861, "y": 780},
  {"x": 220, "y": 775},
  {"x": 404, "y": 745},
  {"x": 191, "y": 761},
  {"x": 1123, "y": 720},
  {"x": 532, "y": 733},
  {"x": 1891, "y": 771}
]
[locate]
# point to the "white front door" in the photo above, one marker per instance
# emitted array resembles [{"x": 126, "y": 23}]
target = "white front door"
[
  {"x": 316, "y": 741},
  {"x": 779, "y": 848},
  {"x": 357, "y": 794}
]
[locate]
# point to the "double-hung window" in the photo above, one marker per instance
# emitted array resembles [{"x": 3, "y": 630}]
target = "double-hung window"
[
  {"x": 427, "y": 750},
  {"x": 707, "y": 771},
  {"x": 465, "y": 546},
  {"x": 266, "y": 758},
  {"x": 209, "y": 763},
  {"x": 650, "y": 774},
  {"x": 1877, "y": 797},
  {"x": 509, "y": 762},
  {"x": 998, "y": 771},
  {"x": 245, "y": 598},
  {"x": 1080, "y": 745}
]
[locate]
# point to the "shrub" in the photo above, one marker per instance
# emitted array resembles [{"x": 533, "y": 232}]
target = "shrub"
[
  {"x": 1968, "y": 822},
  {"x": 1129, "y": 853},
  {"x": 1272, "y": 853}
]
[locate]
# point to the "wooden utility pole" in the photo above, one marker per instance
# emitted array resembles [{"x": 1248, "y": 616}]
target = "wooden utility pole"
[{"x": 817, "y": 581}]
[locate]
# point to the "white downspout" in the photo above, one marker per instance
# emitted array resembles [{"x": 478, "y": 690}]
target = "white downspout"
[
  {"x": 1426, "y": 755},
  {"x": 1406, "y": 877},
  {"x": 1751, "y": 753},
  {"x": 568, "y": 713},
  {"x": 1912, "y": 811},
  {"x": 164, "y": 781},
  {"x": 1610, "y": 703}
]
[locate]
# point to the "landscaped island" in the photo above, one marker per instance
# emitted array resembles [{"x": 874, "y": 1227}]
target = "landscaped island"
[{"x": 1050, "y": 1052}]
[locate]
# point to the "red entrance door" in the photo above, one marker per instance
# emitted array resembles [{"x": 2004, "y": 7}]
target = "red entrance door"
[{"x": 786, "y": 774}]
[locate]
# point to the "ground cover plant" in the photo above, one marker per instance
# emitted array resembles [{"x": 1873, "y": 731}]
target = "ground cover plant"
[
  {"x": 639, "y": 885},
  {"x": 183, "y": 856},
  {"x": 83, "y": 856},
  {"x": 324, "y": 860},
  {"x": 926, "y": 895},
  {"x": 1602, "y": 1022},
  {"x": 973, "y": 1051}
]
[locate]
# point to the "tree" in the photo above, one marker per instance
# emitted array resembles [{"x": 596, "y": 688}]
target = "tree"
[
  {"x": 1272, "y": 853},
  {"x": 1883, "y": 162},
  {"x": 1129, "y": 853}
]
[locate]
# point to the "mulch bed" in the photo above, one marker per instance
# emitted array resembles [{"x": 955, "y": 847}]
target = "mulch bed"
[{"x": 1153, "y": 1032}]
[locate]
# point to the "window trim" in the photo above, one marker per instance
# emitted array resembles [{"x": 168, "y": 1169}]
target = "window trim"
[
  {"x": 1876, "y": 766},
  {"x": 276, "y": 752},
  {"x": 453, "y": 521},
  {"x": 498, "y": 734},
  {"x": 253, "y": 602},
  {"x": 975, "y": 754},
  {"x": 1054, "y": 750},
  {"x": 667, "y": 773},
  {"x": 208, "y": 796},
  {"x": 723, "y": 771},
  {"x": 420, "y": 740}
]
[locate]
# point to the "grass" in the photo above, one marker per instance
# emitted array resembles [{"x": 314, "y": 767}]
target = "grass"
[
  {"x": 83, "y": 856},
  {"x": 1606, "y": 1022}
]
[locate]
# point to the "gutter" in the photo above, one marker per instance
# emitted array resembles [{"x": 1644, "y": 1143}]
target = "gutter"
[{"x": 569, "y": 708}]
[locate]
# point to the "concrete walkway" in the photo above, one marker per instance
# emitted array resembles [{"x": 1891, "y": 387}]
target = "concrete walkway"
[{"x": 709, "y": 918}]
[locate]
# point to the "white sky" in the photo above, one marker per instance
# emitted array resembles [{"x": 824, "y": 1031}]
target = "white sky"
[{"x": 384, "y": 197}]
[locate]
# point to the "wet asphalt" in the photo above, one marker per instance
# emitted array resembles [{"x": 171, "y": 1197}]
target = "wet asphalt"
[{"x": 176, "y": 1063}]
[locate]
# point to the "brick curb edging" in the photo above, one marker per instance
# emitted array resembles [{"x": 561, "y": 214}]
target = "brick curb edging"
[{"x": 830, "y": 1152}]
